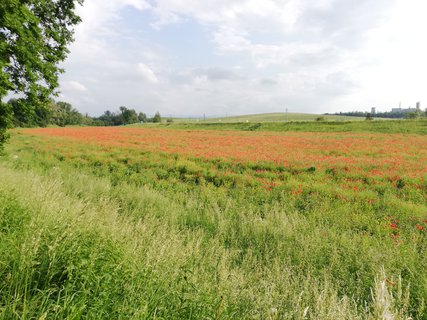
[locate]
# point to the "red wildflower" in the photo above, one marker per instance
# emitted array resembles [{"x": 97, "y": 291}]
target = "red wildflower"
[{"x": 393, "y": 225}]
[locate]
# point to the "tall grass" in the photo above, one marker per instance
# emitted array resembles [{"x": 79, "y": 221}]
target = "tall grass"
[{"x": 95, "y": 239}]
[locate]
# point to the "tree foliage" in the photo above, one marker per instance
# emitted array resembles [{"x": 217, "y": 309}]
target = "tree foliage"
[
  {"x": 64, "y": 114},
  {"x": 387, "y": 114},
  {"x": 34, "y": 35},
  {"x": 142, "y": 117},
  {"x": 157, "y": 118},
  {"x": 5, "y": 121},
  {"x": 108, "y": 119},
  {"x": 129, "y": 116},
  {"x": 123, "y": 117},
  {"x": 21, "y": 113}
]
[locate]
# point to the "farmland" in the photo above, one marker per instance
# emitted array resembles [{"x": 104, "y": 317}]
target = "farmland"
[
  {"x": 381, "y": 126},
  {"x": 271, "y": 117},
  {"x": 180, "y": 222}
]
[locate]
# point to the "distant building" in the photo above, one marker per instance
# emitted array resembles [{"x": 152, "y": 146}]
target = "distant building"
[
  {"x": 418, "y": 105},
  {"x": 372, "y": 110}
]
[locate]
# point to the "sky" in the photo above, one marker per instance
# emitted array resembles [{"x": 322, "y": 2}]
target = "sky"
[{"x": 217, "y": 57}]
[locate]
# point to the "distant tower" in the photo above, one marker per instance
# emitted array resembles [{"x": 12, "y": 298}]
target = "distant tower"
[
  {"x": 418, "y": 104},
  {"x": 372, "y": 110}
]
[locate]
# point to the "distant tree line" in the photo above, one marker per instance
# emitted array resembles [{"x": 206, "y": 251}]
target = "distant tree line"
[
  {"x": 392, "y": 115},
  {"x": 123, "y": 117},
  {"x": 60, "y": 113}
]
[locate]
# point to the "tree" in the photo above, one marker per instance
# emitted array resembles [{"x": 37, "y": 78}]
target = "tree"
[
  {"x": 34, "y": 35},
  {"x": 26, "y": 115},
  {"x": 107, "y": 119},
  {"x": 369, "y": 117},
  {"x": 64, "y": 114},
  {"x": 128, "y": 115},
  {"x": 413, "y": 115},
  {"x": 43, "y": 116},
  {"x": 142, "y": 117},
  {"x": 5, "y": 122},
  {"x": 157, "y": 117},
  {"x": 22, "y": 114}
]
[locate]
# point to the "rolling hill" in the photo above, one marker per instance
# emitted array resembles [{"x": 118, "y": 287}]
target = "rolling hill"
[{"x": 271, "y": 117}]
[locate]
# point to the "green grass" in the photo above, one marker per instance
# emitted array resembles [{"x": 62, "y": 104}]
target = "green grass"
[
  {"x": 124, "y": 234},
  {"x": 282, "y": 117},
  {"x": 271, "y": 117},
  {"x": 380, "y": 126}
]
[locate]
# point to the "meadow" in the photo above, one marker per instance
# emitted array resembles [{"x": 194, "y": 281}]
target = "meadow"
[
  {"x": 179, "y": 222},
  {"x": 270, "y": 117},
  {"x": 379, "y": 126}
]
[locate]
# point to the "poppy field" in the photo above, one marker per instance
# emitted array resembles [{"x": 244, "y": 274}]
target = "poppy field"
[{"x": 161, "y": 223}]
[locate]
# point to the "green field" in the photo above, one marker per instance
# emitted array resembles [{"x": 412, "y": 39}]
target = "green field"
[
  {"x": 270, "y": 117},
  {"x": 380, "y": 126},
  {"x": 179, "y": 222}
]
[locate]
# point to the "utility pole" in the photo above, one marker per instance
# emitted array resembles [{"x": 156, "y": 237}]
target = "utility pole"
[{"x": 286, "y": 115}]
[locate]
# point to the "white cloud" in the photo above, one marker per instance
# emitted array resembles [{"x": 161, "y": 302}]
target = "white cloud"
[
  {"x": 73, "y": 86},
  {"x": 146, "y": 73},
  {"x": 252, "y": 15},
  {"x": 313, "y": 56}
]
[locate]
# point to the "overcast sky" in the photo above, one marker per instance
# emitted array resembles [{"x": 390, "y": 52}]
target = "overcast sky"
[{"x": 190, "y": 57}]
